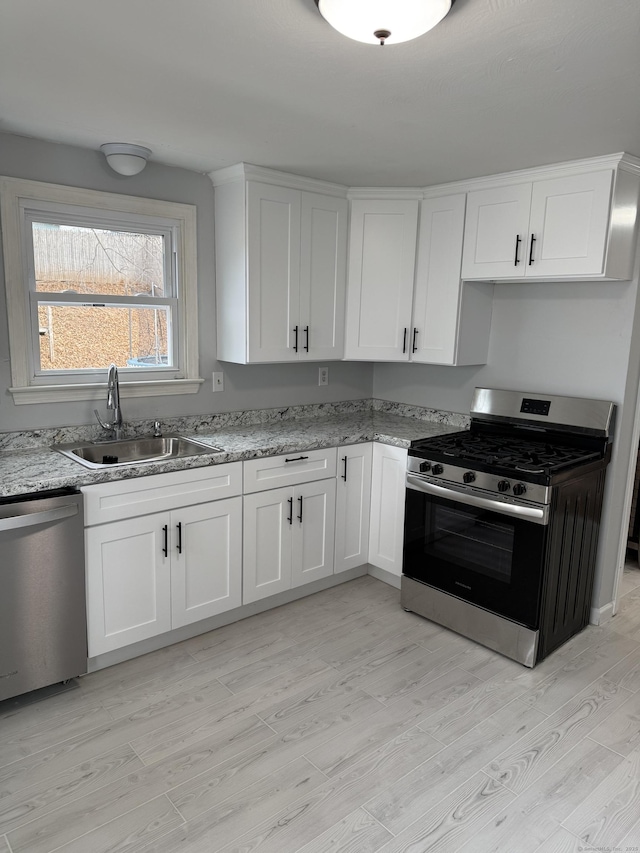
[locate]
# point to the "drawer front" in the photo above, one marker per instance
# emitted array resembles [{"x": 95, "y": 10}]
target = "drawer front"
[
  {"x": 159, "y": 492},
  {"x": 273, "y": 472}
]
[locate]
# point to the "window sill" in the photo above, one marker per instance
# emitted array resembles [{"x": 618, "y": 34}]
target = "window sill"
[{"x": 98, "y": 390}]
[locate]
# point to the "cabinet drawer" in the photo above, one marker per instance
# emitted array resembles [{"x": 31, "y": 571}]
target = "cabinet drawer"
[
  {"x": 159, "y": 492},
  {"x": 272, "y": 472}
]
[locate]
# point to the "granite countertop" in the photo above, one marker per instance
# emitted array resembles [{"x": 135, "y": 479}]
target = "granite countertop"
[{"x": 32, "y": 470}]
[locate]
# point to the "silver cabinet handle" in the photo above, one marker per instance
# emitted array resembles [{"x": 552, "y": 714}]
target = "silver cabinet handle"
[
  {"x": 538, "y": 515},
  {"x": 33, "y": 519}
]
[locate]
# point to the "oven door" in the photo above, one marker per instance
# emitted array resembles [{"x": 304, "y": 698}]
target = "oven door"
[{"x": 476, "y": 548}]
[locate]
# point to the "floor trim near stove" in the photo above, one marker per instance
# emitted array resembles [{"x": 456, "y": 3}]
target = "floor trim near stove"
[
  {"x": 600, "y": 615},
  {"x": 490, "y": 630}
]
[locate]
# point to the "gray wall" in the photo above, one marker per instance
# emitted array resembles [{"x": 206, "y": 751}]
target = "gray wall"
[
  {"x": 569, "y": 338},
  {"x": 246, "y": 387}
]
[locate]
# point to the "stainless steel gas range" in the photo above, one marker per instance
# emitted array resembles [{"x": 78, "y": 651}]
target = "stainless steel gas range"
[{"x": 502, "y": 521}]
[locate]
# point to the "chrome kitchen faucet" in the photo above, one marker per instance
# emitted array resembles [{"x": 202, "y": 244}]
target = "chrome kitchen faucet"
[{"x": 116, "y": 427}]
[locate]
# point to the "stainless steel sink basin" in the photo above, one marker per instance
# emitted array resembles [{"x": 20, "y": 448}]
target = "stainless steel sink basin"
[{"x": 134, "y": 451}]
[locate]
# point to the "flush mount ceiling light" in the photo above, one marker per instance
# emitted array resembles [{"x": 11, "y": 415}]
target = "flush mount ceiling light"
[
  {"x": 124, "y": 158},
  {"x": 383, "y": 21}
]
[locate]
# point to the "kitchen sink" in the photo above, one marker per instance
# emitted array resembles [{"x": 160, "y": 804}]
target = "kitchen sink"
[{"x": 134, "y": 451}]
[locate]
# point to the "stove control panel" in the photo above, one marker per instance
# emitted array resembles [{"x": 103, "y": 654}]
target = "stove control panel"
[{"x": 479, "y": 481}]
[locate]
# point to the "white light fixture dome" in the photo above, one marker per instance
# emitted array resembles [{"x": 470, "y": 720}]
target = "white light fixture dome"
[
  {"x": 383, "y": 21},
  {"x": 125, "y": 158}
]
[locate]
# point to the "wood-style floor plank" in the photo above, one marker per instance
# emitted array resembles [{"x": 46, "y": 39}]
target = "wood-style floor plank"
[
  {"x": 223, "y": 824},
  {"x": 129, "y": 833},
  {"x": 345, "y": 725},
  {"x": 399, "y": 805},
  {"x": 209, "y": 789},
  {"x": 56, "y": 792},
  {"x": 574, "y": 676},
  {"x": 519, "y": 767},
  {"x": 455, "y": 819},
  {"x": 309, "y": 817},
  {"x": 528, "y": 820},
  {"x": 612, "y": 810},
  {"x": 358, "y": 832},
  {"x": 621, "y": 730},
  {"x": 115, "y": 799}
]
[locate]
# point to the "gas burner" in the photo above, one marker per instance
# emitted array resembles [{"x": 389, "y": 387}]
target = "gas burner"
[{"x": 504, "y": 452}]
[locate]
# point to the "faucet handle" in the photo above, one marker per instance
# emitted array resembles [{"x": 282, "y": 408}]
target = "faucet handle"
[{"x": 157, "y": 432}]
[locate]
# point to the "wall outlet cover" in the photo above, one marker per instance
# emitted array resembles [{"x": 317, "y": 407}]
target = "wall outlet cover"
[
  {"x": 218, "y": 381},
  {"x": 323, "y": 376}
]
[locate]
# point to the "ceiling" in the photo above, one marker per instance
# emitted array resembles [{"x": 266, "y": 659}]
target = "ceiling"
[{"x": 498, "y": 85}]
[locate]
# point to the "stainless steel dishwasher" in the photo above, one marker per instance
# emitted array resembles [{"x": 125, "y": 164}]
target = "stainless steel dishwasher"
[{"x": 43, "y": 626}]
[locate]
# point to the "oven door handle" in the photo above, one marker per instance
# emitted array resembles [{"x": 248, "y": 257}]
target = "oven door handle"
[{"x": 538, "y": 515}]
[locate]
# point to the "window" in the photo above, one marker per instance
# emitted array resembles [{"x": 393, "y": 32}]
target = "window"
[{"x": 94, "y": 278}]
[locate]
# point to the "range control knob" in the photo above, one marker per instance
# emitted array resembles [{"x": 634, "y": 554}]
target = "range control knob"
[
  {"x": 504, "y": 486},
  {"x": 468, "y": 477},
  {"x": 424, "y": 467},
  {"x": 437, "y": 469},
  {"x": 519, "y": 489}
]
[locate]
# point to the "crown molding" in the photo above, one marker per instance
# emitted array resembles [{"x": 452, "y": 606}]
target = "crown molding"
[{"x": 249, "y": 172}]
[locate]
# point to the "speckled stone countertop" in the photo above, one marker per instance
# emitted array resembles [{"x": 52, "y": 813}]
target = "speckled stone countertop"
[{"x": 39, "y": 468}]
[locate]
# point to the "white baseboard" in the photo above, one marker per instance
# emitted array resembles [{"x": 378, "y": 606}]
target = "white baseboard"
[
  {"x": 600, "y": 615},
  {"x": 383, "y": 575}
]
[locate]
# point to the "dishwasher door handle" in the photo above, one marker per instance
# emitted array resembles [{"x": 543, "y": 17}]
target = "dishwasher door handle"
[{"x": 32, "y": 519}]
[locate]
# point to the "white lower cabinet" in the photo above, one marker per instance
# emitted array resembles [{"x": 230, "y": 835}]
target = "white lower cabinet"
[
  {"x": 288, "y": 538},
  {"x": 128, "y": 582},
  {"x": 206, "y": 571},
  {"x": 388, "y": 487},
  {"x": 353, "y": 504},
  {"x": 150, "y": 573}
]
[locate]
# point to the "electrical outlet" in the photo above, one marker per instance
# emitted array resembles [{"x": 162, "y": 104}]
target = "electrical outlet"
[
  {"x": 218, "y": 381},
  {"x": 323, "y": 376}
]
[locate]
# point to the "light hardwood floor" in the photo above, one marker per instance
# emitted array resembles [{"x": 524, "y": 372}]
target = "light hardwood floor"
[{"x": 335, "y": 723}]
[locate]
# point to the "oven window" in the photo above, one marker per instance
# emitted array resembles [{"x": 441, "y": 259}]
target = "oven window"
[{"x": 473, "y": 539}]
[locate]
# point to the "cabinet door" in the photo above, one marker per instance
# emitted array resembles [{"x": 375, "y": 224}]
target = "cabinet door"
[
  {"x": 206, "y": 568},
  {"x": 569, "y": 224},
  {"x": 128, "y": 582},
  {"x": 382, "y": 249},
  {"x": 323, "y": 262},
  {"x": 388, "y": 486},
  {"x": 267, "y": 543},
  {"x": 273, "y": 269},
  {"x": 353, "y": 506},
  {"x": 314, "y": 512},
  {"x": 496, "y": 231},
  {"x": 438, "y": 285}
]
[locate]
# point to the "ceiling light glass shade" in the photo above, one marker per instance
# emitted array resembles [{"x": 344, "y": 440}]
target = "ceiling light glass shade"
[
  {"x": 125, "y": 158},
  {"x": 383, "y": 21}
]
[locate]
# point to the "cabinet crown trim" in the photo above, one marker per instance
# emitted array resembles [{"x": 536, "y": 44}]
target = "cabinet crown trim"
[
  {"x": 249, "y": 172},
  {"x": 621, "y": 160},
  {"x": 384, "y": 193}
]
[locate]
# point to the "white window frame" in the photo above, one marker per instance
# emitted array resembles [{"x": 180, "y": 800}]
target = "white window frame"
[{"x": 19, "y": 201}]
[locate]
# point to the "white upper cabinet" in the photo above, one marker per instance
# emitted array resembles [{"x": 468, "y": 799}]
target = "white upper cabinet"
[
  {"x": 280, "y": 267},
  {"x": 394, "y": 315},
  {"x": 496, "y": 232},
  {"x": 382, "y": 254},
  {"x": 573, "y": 221},
  {"x": 273, "y": 272},
  {"x": 451, "y": 319}
]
